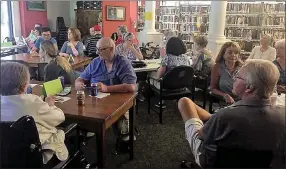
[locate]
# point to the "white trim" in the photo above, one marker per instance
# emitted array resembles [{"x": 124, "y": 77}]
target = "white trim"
[{"x": 16, "y": 18}]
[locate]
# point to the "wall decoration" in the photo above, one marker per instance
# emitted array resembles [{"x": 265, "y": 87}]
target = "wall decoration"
[
  {"x": 115, "y": 13},
  {"x": 36, "y": 5}
]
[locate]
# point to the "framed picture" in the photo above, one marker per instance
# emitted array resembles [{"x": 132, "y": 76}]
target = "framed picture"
[
  {"x": 36, "y": 5},
  {"x": 115, "y": 13}
]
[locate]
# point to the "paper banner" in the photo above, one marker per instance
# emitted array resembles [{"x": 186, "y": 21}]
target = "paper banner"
[{"x": 148, "y": 16}]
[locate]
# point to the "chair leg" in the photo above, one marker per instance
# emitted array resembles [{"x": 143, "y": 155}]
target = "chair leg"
[
  {"x": 149, "y": 104},
  {"x": 161, "y": 112}
]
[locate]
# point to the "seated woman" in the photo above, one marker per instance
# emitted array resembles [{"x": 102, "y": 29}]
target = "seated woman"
[
  {"x": 202, "y": 59},
  {"x": 57, "y": 66},
  {"x": 37, "y": 34},
  {"x": 225, "y": 69},
  {"x": 167, "y": 35},
  {"x": 264, "y": 51},
  {"x": 15, "y": 103},
  {"x": 128, "y": 48},
  {"x": 121, "y": 30},
  {"x": 73, "y": 46},
  {"x": 280, "y": 63}
]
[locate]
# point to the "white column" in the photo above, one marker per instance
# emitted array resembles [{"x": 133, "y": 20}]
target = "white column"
[
  {"x": 72, "y": 14},
  {"x": 16, "y": 18},
  {"x": 149, "y": 33},
  {"x": 216, "y": 35}
]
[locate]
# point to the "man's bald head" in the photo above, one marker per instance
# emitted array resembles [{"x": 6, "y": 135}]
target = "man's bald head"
[
  {"x": 106, "y": 49},
  {"x": 105, "y": 42}
]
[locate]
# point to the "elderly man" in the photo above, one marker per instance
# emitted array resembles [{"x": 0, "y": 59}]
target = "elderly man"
[
  {"x": 251, "y": 123},
  {"x": 112, "y": 73},
  {"x": 280, "y": 63}
]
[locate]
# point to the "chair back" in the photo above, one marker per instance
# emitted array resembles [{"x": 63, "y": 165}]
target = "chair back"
[
  {"x": 41, "y": 71},
  {"x": 242, "y": 158},
  {"x": 20, "y": 144},
  {"x": 177, "y": 78}
]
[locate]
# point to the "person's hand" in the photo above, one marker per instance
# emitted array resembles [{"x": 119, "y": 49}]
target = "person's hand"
[
  {"x": 34, "y": 53},
  {"x": 79, "y": 85},
  {"x": 228, "y": 99},
  {"x": 101, "y": 87},
  {"x": 50, "y": 100},
  {"x": 128, "y": 45},
  {"x": 64, "y": 54}
]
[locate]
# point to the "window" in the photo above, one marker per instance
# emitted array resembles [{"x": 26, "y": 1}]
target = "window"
[{"x": 6, "y": 20}]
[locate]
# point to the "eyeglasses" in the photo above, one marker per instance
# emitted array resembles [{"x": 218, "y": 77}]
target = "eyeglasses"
[
  {"x": 102, "y": 49},
  {"x": 46, "y": 35}
]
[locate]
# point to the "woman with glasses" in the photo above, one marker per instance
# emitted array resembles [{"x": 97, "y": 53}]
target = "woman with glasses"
[
  {"x": 224, "y": 71},
  {"x": 73, "y": 46},
  {"x": 128, "y": 48}
]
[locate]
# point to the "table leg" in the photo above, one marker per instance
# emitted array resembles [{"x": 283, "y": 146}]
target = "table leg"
[
  {"x": 101, "y": 152},
  {"x": 131, "y": 132}
]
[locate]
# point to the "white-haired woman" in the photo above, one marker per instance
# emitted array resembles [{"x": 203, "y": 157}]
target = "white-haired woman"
[
  {"x": 264, "y": 51},
  {"x": 280, "y": 63},
  {"x": 121, "y": 30},
  {"x": 15, "y": 103},
  {"x": 128, "y": 48}
]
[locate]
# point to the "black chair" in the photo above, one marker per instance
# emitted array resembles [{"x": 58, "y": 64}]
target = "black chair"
[
  {"x": 213, "y": 98},
  {"x": 202, "y": 83},
  {"x": 41, "y": 69},
  {"x": 242, "y": 158},
  {"x": 21, "y": 146},
  {"x": 176, "y": 84}
]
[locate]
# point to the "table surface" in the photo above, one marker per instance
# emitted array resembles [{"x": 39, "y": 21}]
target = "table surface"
[
  {"x": 26, "y": 57},
  {"x": 152, "y": 65},
  {"x": 12, "y": 47},
  {"x": 96, "y": 109}
]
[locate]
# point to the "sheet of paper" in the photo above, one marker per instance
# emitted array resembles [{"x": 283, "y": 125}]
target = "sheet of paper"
[
  {"x": 120, "y": 13},
  {"x": 33, "y": 85},
  {"x": 60, "y": 99},
  {"x": 102, "y": 95}
]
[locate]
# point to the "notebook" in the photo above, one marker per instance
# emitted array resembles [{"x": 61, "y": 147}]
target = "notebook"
[{"x": 52, "y": 88}]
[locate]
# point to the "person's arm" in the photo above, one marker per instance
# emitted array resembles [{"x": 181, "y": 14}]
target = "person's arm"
[
  {"x": 84, "y": 77},
  {"x": 251, "y": 56},
  {"x": 37, "y": 45},
  {"x": 78, "y": 49},
  {"x": 161, "y": 72},
  {"x": 64, "y": 49},
  {"x": 272, "y": 55},
  {"x": 215, "y": 75},
  {"x": 116, "y": 88},
  {"x": 136, "y": 52}
]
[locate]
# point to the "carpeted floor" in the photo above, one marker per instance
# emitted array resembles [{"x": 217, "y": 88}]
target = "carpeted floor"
[{"x": 157, "y": 146}]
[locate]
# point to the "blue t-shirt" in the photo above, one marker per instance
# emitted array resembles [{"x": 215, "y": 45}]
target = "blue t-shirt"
[
  {"x": 121, "y": 72},
  {"x": 68, "y": 50},
  {"x": 41, "y": 39}
]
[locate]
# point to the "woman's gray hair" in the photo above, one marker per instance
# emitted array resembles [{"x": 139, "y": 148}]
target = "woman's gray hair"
[
  {"x": 14, "y": 77},
  {"x": 123, "y": 29},
  {"x": 127, "y": 36},
  {"x": 262, "y": 76},
  {"x": 269, "y": 38}
]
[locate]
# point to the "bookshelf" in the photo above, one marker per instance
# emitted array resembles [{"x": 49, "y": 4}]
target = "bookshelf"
[{"x": 140, "y": 19}]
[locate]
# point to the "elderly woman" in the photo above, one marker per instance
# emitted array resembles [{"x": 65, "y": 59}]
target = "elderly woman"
[
  {"x": 226, "y": 66},
  {"x": 128, "y": 49},
  {"x": 167, "y": 35},
  {"x": 202, "y": 59},
  {"x": 121, "y": 30},
  {"x": 15, "y": 103},
  {"x": 264, "y": 51},
  {"x": 280, "y": 63},
  {"x": 73, "y": 46}
]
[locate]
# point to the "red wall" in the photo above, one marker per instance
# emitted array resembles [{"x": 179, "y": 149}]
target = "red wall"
[
  {"x": 110, "y": 27},
  {"x": 29, "y": 18}
]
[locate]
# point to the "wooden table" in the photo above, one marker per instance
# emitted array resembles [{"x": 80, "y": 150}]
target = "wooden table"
[
  {"x": 34, "y": 61},
  {"x": 152, "y": 65},
  {"x": 98, "y": 115}
]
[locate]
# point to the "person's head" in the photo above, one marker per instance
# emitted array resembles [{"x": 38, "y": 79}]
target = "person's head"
[
  {"x": 121, "y": 30},
  {"x": 129, "y": 37},
  {"x": 200, "y": 42},
  {"x": 256, "y": 79},
  {"x": 46, "y": 33},
  {"x": 91, "y": 31},
  {"x": 229, "y": 52},
  {"x": 106, "y": 49},
  {"x": 168, "y": 34},
  {"x": 175, "y": 46},
  {"x": 48, "y": 49},
  {"x": 97, "y": 29},
  {"x": 266, "y": 40},
  {"x": 38, "y": 25},
  {"x": 280, "y": 49},
  {"x": 15, "y": 78},
  {"x": 38, "y": 31},
  {"x": 74, "y": 34}
]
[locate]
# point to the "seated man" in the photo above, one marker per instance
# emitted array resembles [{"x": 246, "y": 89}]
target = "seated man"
[
  {"x": 251, "y": 123},
  {"x": 112, "y": 73},
  {"x": 15, "y": 104},
  {"x": 46, "y": 35}
]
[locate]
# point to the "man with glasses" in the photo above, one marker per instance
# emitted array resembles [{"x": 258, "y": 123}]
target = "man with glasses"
[
  {"x": 112, "y": 73},
  {"x": 46, "y": 35},
  {"x": 253, "y": 123}
]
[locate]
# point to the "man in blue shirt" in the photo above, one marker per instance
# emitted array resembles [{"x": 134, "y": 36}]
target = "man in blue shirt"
[
  {"x": 112, "y": 73},
  {"x": 46, "y": 35}
]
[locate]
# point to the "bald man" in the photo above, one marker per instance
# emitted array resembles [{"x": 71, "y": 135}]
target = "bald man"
[{"x": 112, "y": 73}]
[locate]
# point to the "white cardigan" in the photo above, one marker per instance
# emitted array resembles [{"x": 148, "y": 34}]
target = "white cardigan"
[
  {"x": 46, "y": 118},
  {"x": 269, "y": 54}
]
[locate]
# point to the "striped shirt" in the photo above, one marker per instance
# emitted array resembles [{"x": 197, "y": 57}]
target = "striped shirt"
[{"x": 91, "y": 44}]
